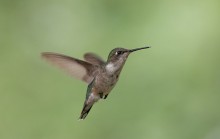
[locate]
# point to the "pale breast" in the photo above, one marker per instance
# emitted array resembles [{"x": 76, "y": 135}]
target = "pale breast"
[{"x": 105, "y": 83}]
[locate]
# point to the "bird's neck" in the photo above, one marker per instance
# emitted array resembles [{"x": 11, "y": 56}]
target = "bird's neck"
[{"x": 113, "y": 68}]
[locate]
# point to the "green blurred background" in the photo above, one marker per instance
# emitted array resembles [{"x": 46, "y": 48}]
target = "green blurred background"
[{"x": 171, "y": 91}]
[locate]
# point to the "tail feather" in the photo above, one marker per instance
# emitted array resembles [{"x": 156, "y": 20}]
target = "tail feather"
[{"x": 85, "y": 111}]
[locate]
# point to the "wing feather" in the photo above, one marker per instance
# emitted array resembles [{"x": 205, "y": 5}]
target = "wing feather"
[
  {"x": 93, "y": 59},
  {"x": 77, "y": 68}
]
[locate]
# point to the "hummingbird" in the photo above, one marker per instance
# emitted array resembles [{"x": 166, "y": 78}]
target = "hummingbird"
[{"x": 101, "y": 76}]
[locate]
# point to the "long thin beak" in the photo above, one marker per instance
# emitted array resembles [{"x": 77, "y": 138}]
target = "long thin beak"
[{"x": 136, "y": 49}]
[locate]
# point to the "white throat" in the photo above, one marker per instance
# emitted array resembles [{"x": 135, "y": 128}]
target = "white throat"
[{"x": 111, "y": 68}]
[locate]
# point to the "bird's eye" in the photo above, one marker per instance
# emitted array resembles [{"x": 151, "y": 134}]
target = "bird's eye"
[{"x": 118, "y": 53}]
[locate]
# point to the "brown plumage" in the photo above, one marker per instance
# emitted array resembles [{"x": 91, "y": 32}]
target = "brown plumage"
[{"x": 100, "y": 76}]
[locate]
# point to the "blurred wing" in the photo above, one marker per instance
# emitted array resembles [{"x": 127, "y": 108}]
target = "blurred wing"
[
  {"x": 77, "y": 68},
  {"x": 93, "y": 59}
]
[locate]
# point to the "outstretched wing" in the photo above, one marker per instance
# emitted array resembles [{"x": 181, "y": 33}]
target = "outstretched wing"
[
  {"x": 93, "y": 59},
  {"x": 77, "y": 68}
]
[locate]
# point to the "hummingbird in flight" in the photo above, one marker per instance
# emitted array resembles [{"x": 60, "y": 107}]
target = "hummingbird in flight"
[{"x": 101, "y": 76}]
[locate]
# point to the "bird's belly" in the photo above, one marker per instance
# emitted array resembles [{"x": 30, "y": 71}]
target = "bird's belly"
[{"x": 105, "y": 84}]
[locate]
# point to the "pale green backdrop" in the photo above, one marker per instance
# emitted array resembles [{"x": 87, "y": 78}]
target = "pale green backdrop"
[{"x": 171, "y": 91}]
